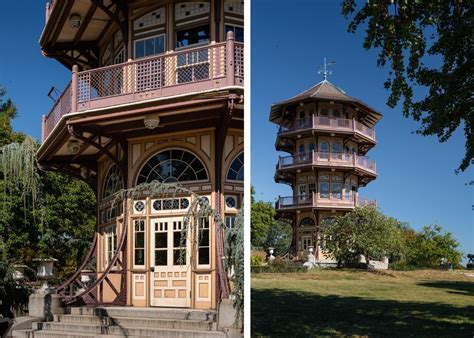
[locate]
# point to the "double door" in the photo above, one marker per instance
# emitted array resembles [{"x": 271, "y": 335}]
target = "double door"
[{"x": 170, "y": 263}]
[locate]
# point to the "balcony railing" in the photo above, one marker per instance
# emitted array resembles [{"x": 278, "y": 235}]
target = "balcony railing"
[
  {"x": 327, "y": 159},
  {"x": 189, "y": 71},
  {"x": 330, "y": 124},
  {"x": 330, "y": 200}
]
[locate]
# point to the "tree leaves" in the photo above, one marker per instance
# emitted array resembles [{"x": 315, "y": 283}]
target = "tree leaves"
[{"x": 411, "y": 34}]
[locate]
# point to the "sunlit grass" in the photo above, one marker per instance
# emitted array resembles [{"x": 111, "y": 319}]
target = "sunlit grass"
[{"x": 360, "y": 303}]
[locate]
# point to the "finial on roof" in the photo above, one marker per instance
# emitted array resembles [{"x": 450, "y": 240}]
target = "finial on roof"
[{"x": 324, "y": 69}]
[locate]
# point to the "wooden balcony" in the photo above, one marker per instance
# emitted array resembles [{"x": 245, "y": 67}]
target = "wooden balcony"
[
  {"x": 327, "y": 160},
  {"x": 333, "y": 125},
  {"x": 192, "y": 71},
  {"x": 318, "y": 201}
]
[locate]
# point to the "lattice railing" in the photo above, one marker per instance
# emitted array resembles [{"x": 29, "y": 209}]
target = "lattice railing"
[
  {"x": 322, "y": 199},
  {"x": 327, "y": 158},
  {"x": 328, "y": 123},
  {"x": 61, "y": 107},
  {"x": 186, "y": 71}
]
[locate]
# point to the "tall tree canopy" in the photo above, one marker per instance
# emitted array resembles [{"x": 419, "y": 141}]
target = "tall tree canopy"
[
  {"x": 60, "y": 224},
  {"x": 363, "y": 231},
  {"x": 408, "y": 33}
]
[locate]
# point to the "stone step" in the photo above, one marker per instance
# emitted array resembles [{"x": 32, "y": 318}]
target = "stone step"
[
  {"x": 153, "y": 313},
  {"x": 56, "y": 334},
  {"x": 71, "y": 327},
  {"x": 168, "y": 333},
  {"x": 189, "y": 324},
  {"x": 79, "y": 319},
  {"x": 22, "y": 334}
]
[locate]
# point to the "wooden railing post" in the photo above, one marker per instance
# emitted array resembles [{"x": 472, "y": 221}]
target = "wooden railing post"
[
  {"x": 43, "y": 129},
  {"x": 230, "y": 56},
  {"x": 74, "y": 81}
]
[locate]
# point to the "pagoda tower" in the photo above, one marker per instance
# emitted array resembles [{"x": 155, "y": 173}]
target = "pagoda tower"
[
  {"x": 327, "y": 135},
  {"x": 155, "y": 94}
]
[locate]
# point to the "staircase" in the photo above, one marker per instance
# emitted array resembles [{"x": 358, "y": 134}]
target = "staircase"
[{"x": 126, "y": 322}]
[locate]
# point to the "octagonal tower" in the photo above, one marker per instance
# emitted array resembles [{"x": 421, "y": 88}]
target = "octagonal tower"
[{"x": 327, "y": 135}]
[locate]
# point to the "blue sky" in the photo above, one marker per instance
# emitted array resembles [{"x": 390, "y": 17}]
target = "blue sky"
[
  {"x": 416, "y": 180},
  {"x": 24, "y": 72}
]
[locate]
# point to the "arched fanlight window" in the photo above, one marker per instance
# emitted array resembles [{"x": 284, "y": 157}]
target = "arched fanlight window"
[
  {"x": 173, "y": 165},
  {"x": 113, "y": 182},
  {"x": 307, "y": 222},
  {"x": 236, "y": 169}
]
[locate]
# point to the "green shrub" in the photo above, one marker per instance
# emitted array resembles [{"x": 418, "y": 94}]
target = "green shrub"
[{"x": 257, "y": 258}]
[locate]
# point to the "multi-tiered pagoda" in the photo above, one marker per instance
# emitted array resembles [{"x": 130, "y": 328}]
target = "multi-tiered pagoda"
[{"x": 327, "y": 135}]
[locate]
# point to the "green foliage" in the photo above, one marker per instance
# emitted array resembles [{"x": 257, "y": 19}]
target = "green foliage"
[
  {"x": 13, "y": 296},
  {"x": 261, "y": 220},
  {"x": 41, "y": 214},
  {"x": 363, "y": 231},
  {"x": 257, "y": 258},
  {"x": 7, "y": 113},
  {"x": 407, "y": 35},
  {"x": 279, "y": 237},
  {"x": 426, "y": 248}
]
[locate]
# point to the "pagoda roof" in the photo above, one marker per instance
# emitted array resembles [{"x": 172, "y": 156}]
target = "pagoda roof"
[{"x": 325, "y": 91}]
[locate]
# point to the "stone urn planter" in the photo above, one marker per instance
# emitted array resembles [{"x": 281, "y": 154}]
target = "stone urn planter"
[{"x": 45, "y": 273}]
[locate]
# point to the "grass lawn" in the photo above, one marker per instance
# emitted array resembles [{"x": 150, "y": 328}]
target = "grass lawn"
[{"x": 360, "y": 303}]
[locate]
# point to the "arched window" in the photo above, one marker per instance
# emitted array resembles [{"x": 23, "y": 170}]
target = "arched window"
[
  {"x": 323, "y": 112},
  {"x": 302, "y": 114},
  {"x": 173, "y": 165},
  {"x": 113, "y": 182},
  {"x": 307, "y": 222},
  {"x": 236, "y": 169},
  {"x": 336, "y": 147},
  {"x": 311, "y": 147}
]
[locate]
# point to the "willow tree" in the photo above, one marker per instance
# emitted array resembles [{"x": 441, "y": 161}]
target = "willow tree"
[{"x": 429, "y": 44}]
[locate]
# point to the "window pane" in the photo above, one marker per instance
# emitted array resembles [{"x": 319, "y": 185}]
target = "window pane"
[
  {"x": 179, "y": 257},
  {"x": 149, "y": 47},
  {"x": 204, "y": 255},
  {"x": 192, "y": 36},
  {"x": 161, "y": 257},
  {"x": 161, "y": 240},
  {"x": 139, "y": 49},
  {"x": 140, "y": 240},
  {"x": 140, "y": 257},
  {"x": 159, "y": 44}
]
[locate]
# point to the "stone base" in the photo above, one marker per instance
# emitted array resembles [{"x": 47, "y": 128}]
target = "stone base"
[
  {"x": 45, "y": 306},
  {"x": 378, "y": 265},
  {"x": 226, "y": 319}
]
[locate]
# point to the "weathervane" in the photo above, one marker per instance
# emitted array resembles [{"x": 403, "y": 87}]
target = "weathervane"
[{"x": 324, "y": 69}]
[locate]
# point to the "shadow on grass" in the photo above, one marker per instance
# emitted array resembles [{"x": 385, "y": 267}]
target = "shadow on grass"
[
  {"x": 281, "y": 313},
  {"x": 460, "y": 288}
]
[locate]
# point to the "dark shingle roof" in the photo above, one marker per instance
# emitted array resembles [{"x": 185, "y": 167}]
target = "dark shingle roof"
[{"x": 324, "y": 90}]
